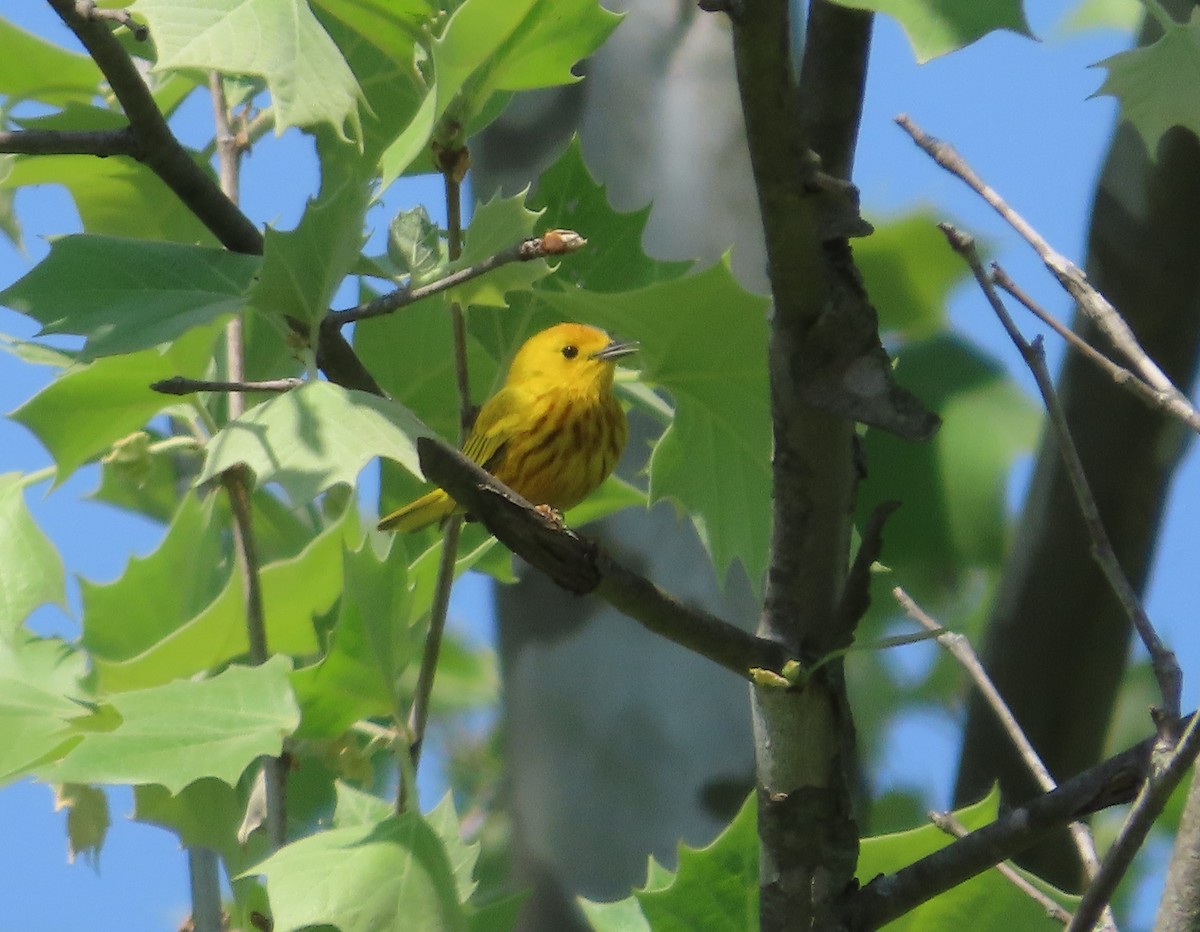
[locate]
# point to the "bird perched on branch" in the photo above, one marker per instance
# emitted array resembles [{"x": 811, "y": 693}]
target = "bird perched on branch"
[{"x": 552, "y": 434}]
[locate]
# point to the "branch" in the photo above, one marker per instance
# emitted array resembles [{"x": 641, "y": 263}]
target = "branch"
[
  {"x": 1091, "y": 302},
  {"x": 951, "y": 826},
  {"x": 1110, "y": 783},
  {"x": 102, "y": 142},
  {"x": 1162, "y": 659},
  {"x": 551, "y": 243},
  {"x": 580, "y": 565},
  {"x": 121, "y": 17},
  {"x": 1149, "y": 805},
  {"x": 1179, "y": 406},
  {"x": 179, "y": 385}
]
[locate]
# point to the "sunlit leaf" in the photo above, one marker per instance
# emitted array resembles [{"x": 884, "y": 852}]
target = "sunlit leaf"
[
  {"x": 31, "y": 571},
  {"x": 935, "y": 27}
]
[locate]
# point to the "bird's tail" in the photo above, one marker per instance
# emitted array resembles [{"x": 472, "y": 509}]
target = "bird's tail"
[{"x": 420, "y": 513}]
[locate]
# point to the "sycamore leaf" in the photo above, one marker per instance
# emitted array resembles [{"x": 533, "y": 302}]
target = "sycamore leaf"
[
  {"x": 31, "y": 571},
  {"x": 935, "y": 27},
  {"x": 205, "y": 813},
  {"x": 186, "y": 730},
  {"x": 1156, "y": 84},
  {"x": 279, "y": 40},
  {"x": 386, "y": 876},
  {"x": 84, "y": 410},
  {"x": 570, "y": 198},
  {"x": 909, "y": 273},
  {"x": 489, "y": 48},
  {"x": 313, "y": 437},
  {"x": 294, "y": 590},
  {"x": 463, "y": 856},
  {"x": 33, "y": 69},
  {"x": 371, "y": 646},
  {"x": 952, "y": 488},
  {"x": 114, "y": 197},
  {"x": 302, "y": 268},
  {"x": 126, "y": 295},
  {"x": 1103, "y": 14},
  {"x": 40, "y": 680},
  {"x": 496, "y": 225},
  {"x": 87, "y": 820},
  {"x": 703, "y": 341},
  {"x": 718, "y": 880}
]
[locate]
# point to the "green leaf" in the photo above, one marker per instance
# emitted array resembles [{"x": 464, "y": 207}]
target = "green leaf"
[
  {"x": 415, "y": 244},
  {"x": 371, "y": 646},
  {"x": 302, "y": 268},
  {"x": 143, "y": 481},
  {"x": 704, "y": 341},
  {"x": 293, "y": 592},
  {"x": 985, "y": 903},
  {"x": 279, "y": 40},
  {"x": 909, "y": 273},
  {"x": 204, "y": 814},
  {"x": 40, "y": 680},
  {"x": 183, "y": 731},
  {"x": 1156, "y": 84},
  {"x": 357, "y": 807},
  {"x": 570, "y": 198},
  {"x": 114, "y": 197},
  {"x": 34, "y": 69},
  {"x": 1103, "y": 14},
  {"x": 935, "y": 27},
  {"x": 85, "y": 409},
  {"x": 952, "y": 488},
  {"x": 87, "y": 820},
  {"x": 31, "y": 571},
  {"x": 714, "y": 887},
  {"x": 387, "y": 875},
  {"x": 463, "y": 857},
  {"x": 496, "y": 225},
  {"x": 314, "y": 437},
  {"x": 126, "y": 295}
]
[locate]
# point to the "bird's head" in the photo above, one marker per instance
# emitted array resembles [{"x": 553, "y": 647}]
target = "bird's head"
[{"x": 574, "y": 357}]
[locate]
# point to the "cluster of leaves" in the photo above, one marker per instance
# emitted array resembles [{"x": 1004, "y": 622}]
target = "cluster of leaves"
[{"x": 156, "y": 693}]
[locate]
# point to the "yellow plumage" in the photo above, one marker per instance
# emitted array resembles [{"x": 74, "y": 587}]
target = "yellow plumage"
[{"x": 554, "y": 431}]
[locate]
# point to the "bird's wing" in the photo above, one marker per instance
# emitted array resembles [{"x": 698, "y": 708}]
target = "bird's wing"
[{"x": 497, "y": 421}]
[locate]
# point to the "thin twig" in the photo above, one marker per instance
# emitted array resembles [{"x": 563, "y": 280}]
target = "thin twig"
[
  {"x": 1146, "y": 808},
  {"x": 552, "y": 243},
  {"x": 101, "y": 142},
  {"x": 960, "y": 649},
  {"x": 1162, "y": 659},
  {"x": 237, "y": 482},
  {"x": 1178, "y": 407},
  {"x": 951, "y": 826},
  {"x": 178, "y": 385},
  {"x": 1091, "y": 302},
  {"x": 452, "y": 167}
]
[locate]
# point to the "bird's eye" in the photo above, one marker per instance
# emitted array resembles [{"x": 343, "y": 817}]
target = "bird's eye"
[{"x": 570, "y": 352}]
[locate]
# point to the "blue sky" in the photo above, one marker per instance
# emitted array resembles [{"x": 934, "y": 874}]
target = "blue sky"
[{"x": 1017, "y": 109}]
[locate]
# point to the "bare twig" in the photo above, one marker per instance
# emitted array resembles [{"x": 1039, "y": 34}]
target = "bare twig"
[
  {"x": 552, "y": 243},
  {"x": 178, "y": 385},
  {"x": 951, "y": 826},
  {"x": 960, "y": 648},
  {"x": 453, "y": 168},
  {"x": 580, "y": 565},
  {"x": 1091, "y": 302},
  {"x": 1149, "y": 804},
  {"x": 237, "y": 483},
  {"x": 121, "y": 17},
  {"x": 101, "y": 142},
  {"x": 1174, "y": 405},
  {"x": 1162, "y": 659}
]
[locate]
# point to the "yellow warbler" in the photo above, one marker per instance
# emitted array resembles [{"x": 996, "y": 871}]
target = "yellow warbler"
[{"x": 552, "y": 434}]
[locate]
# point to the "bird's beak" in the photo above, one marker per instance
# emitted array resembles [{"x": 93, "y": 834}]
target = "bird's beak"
[{"x": 616, "y": 349}]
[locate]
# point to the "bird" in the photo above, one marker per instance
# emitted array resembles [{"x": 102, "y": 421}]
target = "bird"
[{"x": 552, "y": 433}]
